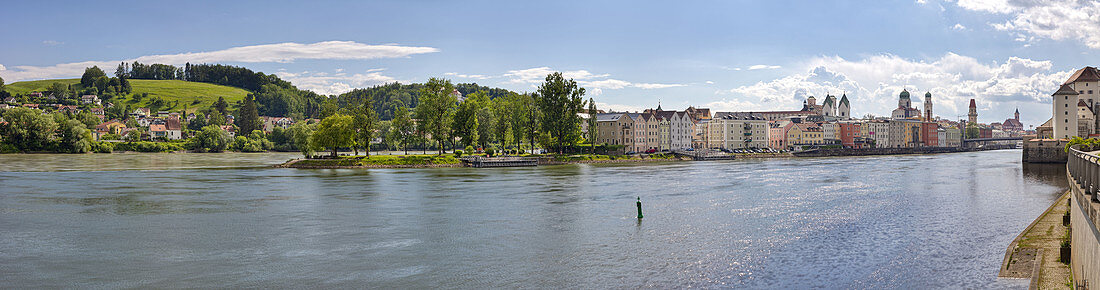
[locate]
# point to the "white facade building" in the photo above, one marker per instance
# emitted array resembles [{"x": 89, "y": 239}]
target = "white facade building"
[
  {"x": 1065, "y": 112},
  {"x": 735, "y": 132}
]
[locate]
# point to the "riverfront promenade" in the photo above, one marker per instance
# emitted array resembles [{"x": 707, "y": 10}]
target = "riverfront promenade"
[
  {"x": 1035, "y": 252},
  {"x": 1083, "y": 172}
]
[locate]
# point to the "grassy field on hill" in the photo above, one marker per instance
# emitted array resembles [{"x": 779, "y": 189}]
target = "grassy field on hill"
[{"x": 192, "y": 95}]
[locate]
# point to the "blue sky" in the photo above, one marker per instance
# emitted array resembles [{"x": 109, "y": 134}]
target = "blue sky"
[{"x": 727, "y": 55}]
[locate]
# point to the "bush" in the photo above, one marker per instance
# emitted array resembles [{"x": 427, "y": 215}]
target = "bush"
[
  {"x": 490, "y": 151},
  {"x": 146, "y": 146},
  {"x": 458, "y": 153},
  {"x": 103, "y": 147}
]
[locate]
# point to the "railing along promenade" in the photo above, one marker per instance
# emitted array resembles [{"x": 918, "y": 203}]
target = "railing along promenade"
[{"x": 1083, "y": 170}]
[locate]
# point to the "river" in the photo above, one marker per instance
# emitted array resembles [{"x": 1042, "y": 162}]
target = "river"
[{"x": 228, "y": 220}]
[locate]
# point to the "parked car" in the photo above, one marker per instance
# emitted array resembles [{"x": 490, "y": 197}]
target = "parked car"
[
  {"x": 631, "y": 153},
  {"x": 651, "y": 151},
  {"x": 689, "y": 149}
]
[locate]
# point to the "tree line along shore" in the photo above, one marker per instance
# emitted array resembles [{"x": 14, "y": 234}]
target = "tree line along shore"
[{"x": 104, "y": 114}]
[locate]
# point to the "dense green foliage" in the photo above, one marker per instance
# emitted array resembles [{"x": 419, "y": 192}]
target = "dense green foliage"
[
  {"x": 210, "y": 139},
  {"x": 248, "y": 119},
  {"x": 147, "y": 146},
  {"x": 559, "y": 101},
  {"x": 384, "y": 160},
  {"x": 173, "y": 95},
  {"x": 436, "y": 110},
  {"x": 334, "y": 132}
]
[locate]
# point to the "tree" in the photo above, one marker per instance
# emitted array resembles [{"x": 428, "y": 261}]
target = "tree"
[
  {"x": 403, "y": 128},
  {"x": 465, "y": 125},
  {"x": 334, "y": 132},
  {"x": 28, "y": 129},
  {"x": 436, "y": 104},
  {"x": 248, "y": 118},
  {"x": 593, "y": 125},
  {"x": 90, "y": 75},
  {"x": 485, "y": 117},
  {"x": 216, "y": 118},
  {"x": 211, "y": 139},
  {"x": 559, "y": 101},
  {"x": 59, "y": 90},
  {"x": 74, "y": 137},
  {"x": 1, "y": 83},
  {"x": 124, "y": 86},
  {"x": 972, "y": 131},
  {"x": 366, "y": 125},
  {"x": 300, "y": 133},
  {"x": 198, "y": 122},
  {"x": 221, "y": 105},
  {"x": 87, "y": 118},
  {"x": 526, "y": 119},
  {"x": 122, "y": 71}
]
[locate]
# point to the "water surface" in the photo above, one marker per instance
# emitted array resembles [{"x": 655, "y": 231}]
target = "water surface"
[{"x": 223, "y": 220}]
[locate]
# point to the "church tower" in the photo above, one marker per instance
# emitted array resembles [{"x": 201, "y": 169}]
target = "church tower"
[
  {"x": 828, "y": 108},
  {"x": 973, "y": 113},
  {"x": 903, "y": 100},
  {"x": 844, "y": 109},
  {"x": 928, "y": 107},
  {"x": 1017, "y": 114}
]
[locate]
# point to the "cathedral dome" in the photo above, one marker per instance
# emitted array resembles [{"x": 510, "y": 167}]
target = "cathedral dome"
[{"x": 904, "y": 94}]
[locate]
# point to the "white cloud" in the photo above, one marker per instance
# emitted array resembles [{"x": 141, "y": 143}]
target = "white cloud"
[
  {"x": 761, "y": 66},
  {"x": 617, "y": 107},
  {"x": 538, "y": 74},
  {"x": 278, "y": 53},
  {"x": 594, "y": 83},
  {"x": 648, "y": 86},
  {"x": 52, "y": 42},
  {"x": 466, "y": 76},
  {"x": 1052, "y": 19},
  {"x": 958, "y": 26},
  {"x": 873, "y": 83},
  {"x": 336, "y": 83},
  {"x": 2, "y": 67},
  {"x": 709, "y": 82}
]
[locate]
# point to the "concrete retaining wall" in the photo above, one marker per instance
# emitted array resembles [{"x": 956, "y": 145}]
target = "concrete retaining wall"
[
  {"x": 1045, "y": 151},
  {"x": 1085, "y": 239},
  {"x": 877, "y": 151}
]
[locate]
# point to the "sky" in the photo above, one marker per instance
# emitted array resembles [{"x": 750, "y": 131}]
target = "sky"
[{"x": 629, "y": 55}]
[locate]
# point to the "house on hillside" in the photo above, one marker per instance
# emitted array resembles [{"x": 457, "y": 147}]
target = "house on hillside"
[
  {"x": 174, "y": 128},
  {"x": 90, "y": 99},
  {"x": 158, "y": 131},
  {"x": 70, "y": 109},
  {"x": 271, "y": 122},
  {"x": 11, "y": 100},
  {"x": 140, "y": 112},
  {"x": 97, "y": 111},
  {"x": 229, "y": 128}
]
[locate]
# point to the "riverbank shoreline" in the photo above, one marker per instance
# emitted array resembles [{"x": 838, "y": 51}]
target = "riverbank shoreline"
[
  {"x": 294, "y": 163},
  {"x": 1034, "y": 253}
]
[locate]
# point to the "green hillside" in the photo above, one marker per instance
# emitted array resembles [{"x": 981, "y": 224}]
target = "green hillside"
[{"x": 192, "y": 95}]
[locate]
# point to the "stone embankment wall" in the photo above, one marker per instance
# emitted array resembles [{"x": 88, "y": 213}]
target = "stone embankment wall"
[
  {"x": 1085, "y": 239},
  {"x": 877, "y": 151},
  {"x": 1045, "y": 151}
]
